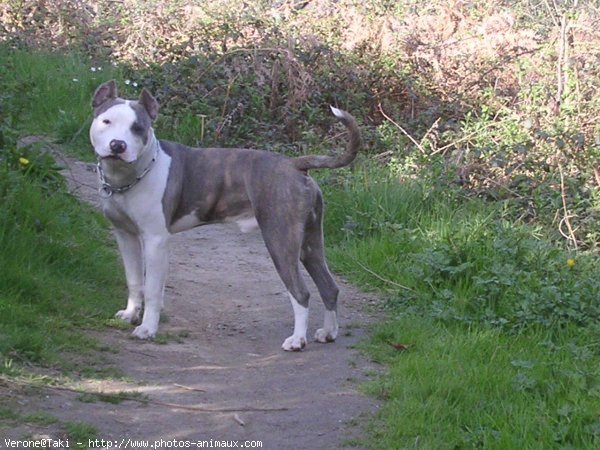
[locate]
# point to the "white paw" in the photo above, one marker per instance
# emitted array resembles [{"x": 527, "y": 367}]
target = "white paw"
[
  {"x": 143, "y": 332},
  {"x": 294, "y": 343},
  {"x": 322, "y": 335},
  {"x": 131, "y": 316}
]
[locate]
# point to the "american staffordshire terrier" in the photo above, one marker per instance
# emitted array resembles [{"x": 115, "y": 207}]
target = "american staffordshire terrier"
[{"x": 152, "y": 188}]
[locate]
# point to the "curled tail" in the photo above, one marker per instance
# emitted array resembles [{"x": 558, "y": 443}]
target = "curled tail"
[{"x": 333, "y": 162}]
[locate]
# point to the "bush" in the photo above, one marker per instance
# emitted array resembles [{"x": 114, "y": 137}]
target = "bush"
[{"x": 455, "y": 259}]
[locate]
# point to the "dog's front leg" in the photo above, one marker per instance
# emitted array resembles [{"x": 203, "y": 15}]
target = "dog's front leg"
[
  {"x": 131, "y": 252},
  {"x": 156, "y": 261}
]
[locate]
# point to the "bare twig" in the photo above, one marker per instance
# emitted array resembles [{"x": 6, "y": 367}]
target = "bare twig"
[
  {"x": 188, "y": 388},
  {"x": 239, "y": 420},
  {"x": 414, "y": 141},
  {"x": 385, "y": 280},
  {"x": 561, "y": 69},
  {"x": 566, "y": 216},
  {"x": 433, "y": 126}
]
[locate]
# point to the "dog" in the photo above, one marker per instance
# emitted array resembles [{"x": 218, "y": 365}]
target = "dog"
[{"x": 152, "y": 188}]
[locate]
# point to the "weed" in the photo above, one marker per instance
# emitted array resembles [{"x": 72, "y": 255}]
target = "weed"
[
  {"x": 80, "y": 433},
  {"x": 40, "y": 418},
  {"x": 113, "y": 397},
  {"x": 168, "y": 338}
]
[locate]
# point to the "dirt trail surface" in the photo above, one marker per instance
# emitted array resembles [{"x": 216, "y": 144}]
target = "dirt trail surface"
[{"x": 221, "y": 374}]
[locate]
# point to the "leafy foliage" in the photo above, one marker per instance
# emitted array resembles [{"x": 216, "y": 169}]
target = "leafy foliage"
[
  {"x": 498, "y": 100},
  {"x": 456, "y": 259}
]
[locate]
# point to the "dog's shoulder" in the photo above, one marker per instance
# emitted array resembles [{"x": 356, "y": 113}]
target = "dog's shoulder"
[{"x": 173, "y": 148}]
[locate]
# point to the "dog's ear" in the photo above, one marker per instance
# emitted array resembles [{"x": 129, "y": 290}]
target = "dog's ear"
[
  {"x": 106, "y": 91},
  {"x": 149, "y": 103}
]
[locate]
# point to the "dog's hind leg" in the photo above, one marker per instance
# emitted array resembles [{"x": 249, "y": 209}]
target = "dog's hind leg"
[
  {"x": 284, "y": 248},
  {"x": 313, "y": 258}
]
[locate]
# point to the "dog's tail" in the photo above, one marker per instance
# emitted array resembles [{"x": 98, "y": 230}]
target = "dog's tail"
[{"x": 333, "y": 162}]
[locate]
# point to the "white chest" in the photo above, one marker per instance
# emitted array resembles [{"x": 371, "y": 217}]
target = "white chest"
[{"x": 139, "y": 210}]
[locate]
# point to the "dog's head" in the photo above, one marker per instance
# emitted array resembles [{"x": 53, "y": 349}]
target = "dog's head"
[{"x": 121, "y": 128}]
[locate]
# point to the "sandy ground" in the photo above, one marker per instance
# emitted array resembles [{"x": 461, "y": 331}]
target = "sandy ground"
[{"x": 221, "y": 375}]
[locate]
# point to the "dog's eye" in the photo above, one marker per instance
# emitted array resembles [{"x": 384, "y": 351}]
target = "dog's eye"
[
  {"x": 137, "y": 128},
  {"x": 106, "y": 122}
]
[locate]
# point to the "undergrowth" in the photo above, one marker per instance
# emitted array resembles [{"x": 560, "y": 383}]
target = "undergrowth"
[{"x": 458, "y": 259}]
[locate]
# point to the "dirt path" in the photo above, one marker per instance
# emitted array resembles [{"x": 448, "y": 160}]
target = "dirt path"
[{"x": 226, "y": 317}]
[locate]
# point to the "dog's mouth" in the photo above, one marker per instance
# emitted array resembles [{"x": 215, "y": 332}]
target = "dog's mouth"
[
  {"x": 112, "y": 157},
  {"x": 116, "y": 160}
]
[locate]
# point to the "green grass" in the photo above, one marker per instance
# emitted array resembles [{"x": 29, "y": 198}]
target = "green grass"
[
  {"x": 478, "y": 387},
  {"x": 80, "y": 433},
  {"x": 502, "y": 333},
  {"x": 50, "y": 94},
  {"x": 59, "y": 274}
]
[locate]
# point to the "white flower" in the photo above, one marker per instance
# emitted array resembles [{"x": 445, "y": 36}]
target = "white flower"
[
  {"x": 75, "y": 80},
  {"x": 127, "y": 82},
  {"x": 135, "y": 84},
  {"x": 93, "y": 69}
]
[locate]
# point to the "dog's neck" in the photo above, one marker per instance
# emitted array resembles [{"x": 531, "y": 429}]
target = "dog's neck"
[{"x": 119, "y": 174}]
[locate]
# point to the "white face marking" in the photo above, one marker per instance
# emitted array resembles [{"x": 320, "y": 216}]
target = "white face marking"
[{"x": 115, "y": 123}]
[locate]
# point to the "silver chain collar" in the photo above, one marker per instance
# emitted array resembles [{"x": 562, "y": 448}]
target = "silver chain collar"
[{"x": 106, "y": 189}]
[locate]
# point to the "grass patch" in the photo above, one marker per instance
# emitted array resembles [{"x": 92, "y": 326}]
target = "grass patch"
[
  {"x": 56, "y": 271},
  {"x": 46, "y": 93},
  {"x": 113, "y": 398},
  {"x": 453, "y": 258},
  {"x": 58, "y": 276},
  {"x": 493, "y": 338},
  {"x": 80, "y": 433},
  {"x": 478, "y": 387},
  {"x": 40, "y": 418}
]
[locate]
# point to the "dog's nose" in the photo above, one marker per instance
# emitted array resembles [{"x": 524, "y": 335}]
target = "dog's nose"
[{"x": 117, "y": 146}]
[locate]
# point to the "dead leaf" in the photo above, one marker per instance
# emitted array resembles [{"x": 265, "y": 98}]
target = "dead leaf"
[{"x": 398, "y": 346}]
